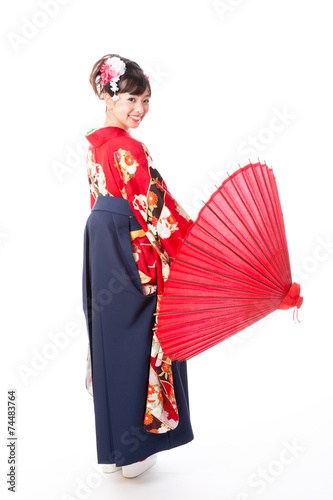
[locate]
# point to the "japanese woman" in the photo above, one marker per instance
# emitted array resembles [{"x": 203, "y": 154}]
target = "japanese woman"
[{"x": 141, "y": 401}]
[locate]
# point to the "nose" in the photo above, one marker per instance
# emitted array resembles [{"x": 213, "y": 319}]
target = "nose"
[{"x": 139, "y": 108}]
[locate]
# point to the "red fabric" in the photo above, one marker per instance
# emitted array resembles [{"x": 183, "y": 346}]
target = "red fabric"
[
  {"x": 292, "y": 299},
  {"x": 232, "y": 269},
  {"x": 118, "y": 165},
  {"x": 145, "y": 190}
]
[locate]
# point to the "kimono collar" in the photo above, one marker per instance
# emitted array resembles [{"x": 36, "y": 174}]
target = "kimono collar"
[{"x": 98, "y": 136}]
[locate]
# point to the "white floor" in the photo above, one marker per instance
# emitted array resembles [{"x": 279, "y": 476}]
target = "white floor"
[
  {"x": 237, "y": 466},
  {"x": 261, "y": 408}
]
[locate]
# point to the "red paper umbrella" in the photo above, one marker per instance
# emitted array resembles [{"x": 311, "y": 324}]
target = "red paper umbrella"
[{"x": 232, "y": 268}]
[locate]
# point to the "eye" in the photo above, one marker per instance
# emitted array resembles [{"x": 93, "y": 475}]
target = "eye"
[{"x": 132, "y": 99}]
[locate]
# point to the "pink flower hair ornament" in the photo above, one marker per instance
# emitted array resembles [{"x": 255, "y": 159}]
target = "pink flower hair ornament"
[{"x": 112, "y": 69}]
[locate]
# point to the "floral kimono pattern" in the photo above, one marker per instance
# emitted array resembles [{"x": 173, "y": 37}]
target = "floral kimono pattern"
[{"x": 128, "y": 171}]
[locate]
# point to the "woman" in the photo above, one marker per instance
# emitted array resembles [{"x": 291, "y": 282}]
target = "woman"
[{"x": 135, "y": 226}]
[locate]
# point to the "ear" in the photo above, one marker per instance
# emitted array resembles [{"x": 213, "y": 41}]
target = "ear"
[{"x": 109, "y": 102}]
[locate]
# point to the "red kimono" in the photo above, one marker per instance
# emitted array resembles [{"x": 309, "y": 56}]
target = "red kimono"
[{"x": 120, "y": 166}]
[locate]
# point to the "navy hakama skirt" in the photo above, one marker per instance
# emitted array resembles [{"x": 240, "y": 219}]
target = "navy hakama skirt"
[{"x": 119, "y": 320}]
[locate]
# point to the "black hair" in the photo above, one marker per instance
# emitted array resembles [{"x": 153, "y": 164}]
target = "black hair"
[{"x": 133, "y": 81}]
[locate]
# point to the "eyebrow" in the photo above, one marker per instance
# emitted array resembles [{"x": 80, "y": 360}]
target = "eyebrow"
[{"x": 134, "y": 95}]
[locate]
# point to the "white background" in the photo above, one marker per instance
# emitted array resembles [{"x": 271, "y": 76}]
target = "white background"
[{"x": 220, "y": 72}]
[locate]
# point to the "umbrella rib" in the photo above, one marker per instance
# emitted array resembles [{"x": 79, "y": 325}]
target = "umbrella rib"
[
  {"x": 278, "y": 209},
  {"x": 277, "y": 217},
  {"x": 242, "y": 222},
  {"x": 213, "y": 308},
  {"x": 224, "y": 316},
  {"x": 240, "y": 326},
  {"x": 260, "y": 212},
  {"x": 204, "y": 298},
  {"x": 226, "y": 263},
  {"x": 190, "y": 297},
  {"x": 248, "y": 210},
  {"x": 219, "y": 274},
  {"x": 220, "y": 242},
  {"x": 233, "y": 232},
  {"x": 216, "y": 287},
  {"x": 278, "y": 240},
  {"x": 212, "y": 333},
  {"x": 238, "y": 255}
]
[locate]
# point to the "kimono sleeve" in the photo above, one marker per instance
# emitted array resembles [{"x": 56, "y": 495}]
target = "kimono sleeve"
[
  {"x": 172, "y": 220},
  {"x": 141, "y": 184}
]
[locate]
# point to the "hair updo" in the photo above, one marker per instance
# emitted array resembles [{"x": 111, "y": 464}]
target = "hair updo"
[{"x": 133, "y": 80}]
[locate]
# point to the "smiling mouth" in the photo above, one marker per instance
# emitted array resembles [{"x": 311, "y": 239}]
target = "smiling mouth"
[{"x": 136, "y": 118}]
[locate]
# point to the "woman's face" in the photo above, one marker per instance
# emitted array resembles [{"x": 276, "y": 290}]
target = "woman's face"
[{"x": 128, "y": 111}]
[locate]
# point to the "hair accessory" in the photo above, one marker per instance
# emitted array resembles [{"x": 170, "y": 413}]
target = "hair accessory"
[{"x": 112, "y": 69}]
